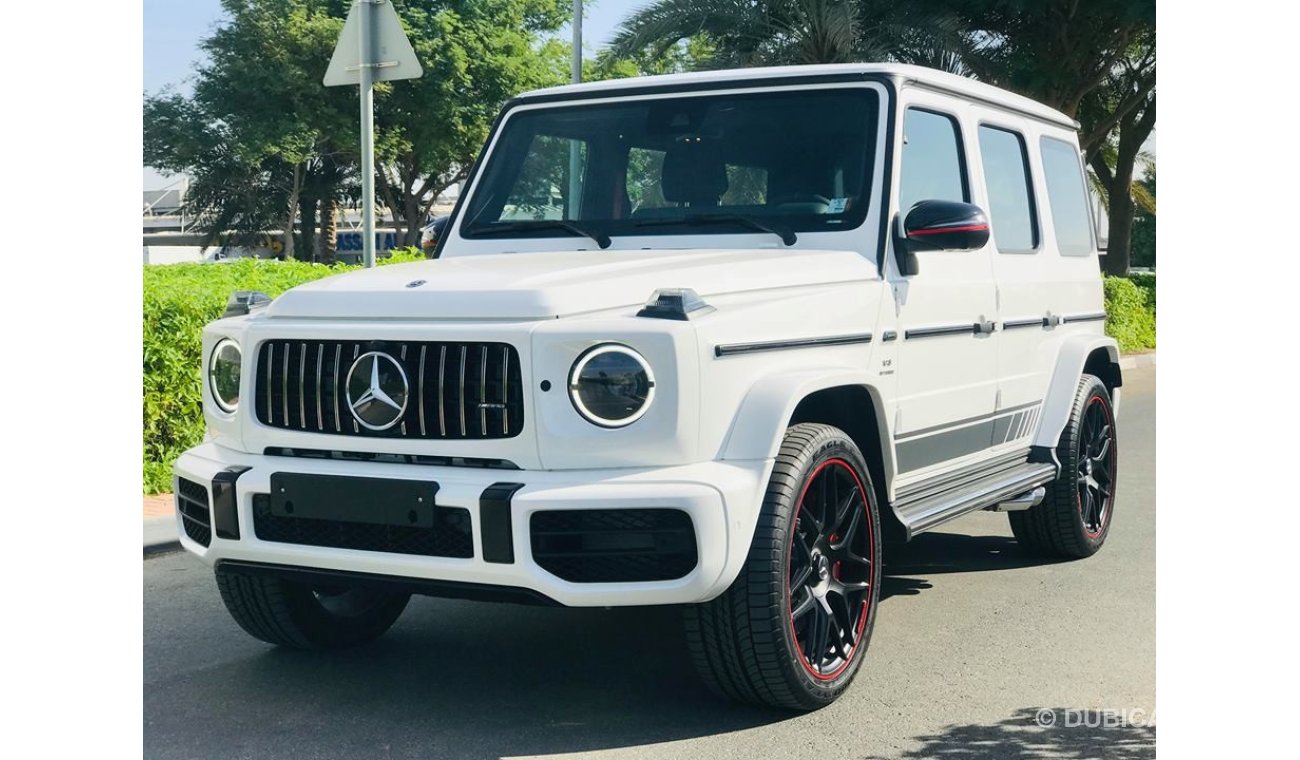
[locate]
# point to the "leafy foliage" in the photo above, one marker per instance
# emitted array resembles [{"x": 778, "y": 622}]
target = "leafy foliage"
[
  {"x": 1144, "y": 224},
  {"x": 179, "y": 299},
  {"x": 785, "y": 32},
  {"x": 1131, "y": 311}
]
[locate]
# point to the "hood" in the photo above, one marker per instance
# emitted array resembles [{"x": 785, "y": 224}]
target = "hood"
[{"x": 534, "y": 286}]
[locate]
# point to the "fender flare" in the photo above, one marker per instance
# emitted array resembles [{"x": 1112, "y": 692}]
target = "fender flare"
[
  {"x": 763, "y": 415},
  {"x": 1070, "y": 361}
]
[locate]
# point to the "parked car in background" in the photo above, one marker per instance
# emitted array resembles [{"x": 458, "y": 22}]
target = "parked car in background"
[
  {"x": 431, "y": 232},
  {"x": 706, "y": 339}
]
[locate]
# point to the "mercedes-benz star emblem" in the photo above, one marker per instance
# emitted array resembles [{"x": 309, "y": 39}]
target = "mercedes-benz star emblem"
[{"x": 377, "y": 389}]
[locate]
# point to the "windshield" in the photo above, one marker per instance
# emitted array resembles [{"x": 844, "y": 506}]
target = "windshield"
[{"x": 714, "y": 164}]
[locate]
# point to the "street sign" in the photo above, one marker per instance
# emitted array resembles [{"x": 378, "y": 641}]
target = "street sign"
[
  {"x": 392, "y": 54},
  {"x": 372, "y": 48}
]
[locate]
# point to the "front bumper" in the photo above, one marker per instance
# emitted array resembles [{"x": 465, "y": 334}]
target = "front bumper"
[{"x": 722, "y": 500}]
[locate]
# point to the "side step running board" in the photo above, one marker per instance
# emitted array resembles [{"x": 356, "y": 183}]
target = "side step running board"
[{"x": 924, "y": 514}]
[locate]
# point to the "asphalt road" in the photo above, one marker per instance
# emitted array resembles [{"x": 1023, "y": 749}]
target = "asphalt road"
[{"x": 972, "y": 640}]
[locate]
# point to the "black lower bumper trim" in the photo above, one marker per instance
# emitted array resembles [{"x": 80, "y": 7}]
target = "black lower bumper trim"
[
  {"x": 494, "y": 517},
  {"x": 480, "y": 592},
  {"x": 225, "y": 508}
]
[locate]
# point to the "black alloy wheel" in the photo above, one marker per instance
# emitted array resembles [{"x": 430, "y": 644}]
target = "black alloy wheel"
[
  {"x": 1096, "y": 466},
  {"x": 830, "y": 579},
  {"x": 1074, "y": 518},
  {"x": 793, "y": 629}
]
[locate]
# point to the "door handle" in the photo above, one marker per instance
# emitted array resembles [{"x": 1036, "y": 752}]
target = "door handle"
[{"x": 983, "y": 328}]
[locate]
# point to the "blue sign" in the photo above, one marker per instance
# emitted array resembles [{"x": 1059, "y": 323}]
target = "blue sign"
[{"x": 352, "y": 241}]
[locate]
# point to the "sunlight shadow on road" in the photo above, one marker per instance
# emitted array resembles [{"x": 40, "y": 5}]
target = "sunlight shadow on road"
[{"x": 1021, "y": 737}]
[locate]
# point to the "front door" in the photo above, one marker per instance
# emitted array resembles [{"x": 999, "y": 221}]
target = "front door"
[{"x": 947, "y": 364}]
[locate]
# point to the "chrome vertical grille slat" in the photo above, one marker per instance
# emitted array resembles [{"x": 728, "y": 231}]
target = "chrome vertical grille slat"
[
  {"x": 302, "y": 386},
  {"x": 338, "y": 421},
  {"x": 482, "y": 390},
  {"x": 320, "y": 357},
  {"x": 420, "y": 391},
  {"x": 468, "y": 375},
  {"x": 505, "y": 390},
  {"x": 464, "y": 354},
  {"x": 284, "y": 386},
  {"x": 442, "y": 371},
  {"x": 270, "y": 364}
]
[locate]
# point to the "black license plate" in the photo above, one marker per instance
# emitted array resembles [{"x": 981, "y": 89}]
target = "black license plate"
[{"x": 375, "y": 501}]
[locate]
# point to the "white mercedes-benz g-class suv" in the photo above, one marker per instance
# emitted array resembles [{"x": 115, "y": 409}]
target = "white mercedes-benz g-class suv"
[{"x": 704, "y": 339}]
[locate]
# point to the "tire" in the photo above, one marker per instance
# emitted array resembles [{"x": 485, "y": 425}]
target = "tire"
[
  {"x": 298, "y": 616},
  {"x": 1074, "y": 518},
  {"x": 749, "y": 644}
]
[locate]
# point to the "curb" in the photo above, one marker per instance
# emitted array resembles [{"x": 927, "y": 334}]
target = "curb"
[
  {"x": 160, "y": 536},
  {"x": 1137, "y": 361}
]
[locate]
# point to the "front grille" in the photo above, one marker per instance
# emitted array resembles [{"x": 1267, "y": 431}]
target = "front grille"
[
  {"x": 457, "y": 391},
  {"x": 450, "y": 536},
  {"x": 192, "y": 503},
  {"x": 614, "y": 545}
]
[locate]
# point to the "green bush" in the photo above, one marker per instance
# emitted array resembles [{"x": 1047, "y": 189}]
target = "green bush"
[
  {"x": 1131, "y": 311},
  {"x": 179, "y": 299}
]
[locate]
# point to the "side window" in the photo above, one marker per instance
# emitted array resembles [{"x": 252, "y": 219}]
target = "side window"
[
  {"x": 1067, "y": 194},
  {"x": 541, "y": 190},
  {"x": 932, "y": 167},
  {"x": 1011, "y": 198}
]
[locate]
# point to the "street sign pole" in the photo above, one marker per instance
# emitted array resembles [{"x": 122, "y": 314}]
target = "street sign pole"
[
  {"x": 372, "y": 48},
  {"x": 367, "y": 72},
  {"x": 575, "y": 71}
]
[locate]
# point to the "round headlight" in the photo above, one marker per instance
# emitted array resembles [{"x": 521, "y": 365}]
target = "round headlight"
[
  {"x": 223, "y": 375},
  {"x": 611, "y": 385}
]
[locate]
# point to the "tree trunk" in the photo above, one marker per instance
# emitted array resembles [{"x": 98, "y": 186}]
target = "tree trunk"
[
  {"x": 329, "y": 241},
  {"x": 307, "y": 235},
  {"x": 1118, "y": 253},
  {"x": 414, "y": 221},
  {"x": 294, "y": 194}
]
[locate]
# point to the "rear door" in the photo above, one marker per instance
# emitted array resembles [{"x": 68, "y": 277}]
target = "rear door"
[
  {"x": 1006, "y": 187},
  {"x": 947, "y": 370}
]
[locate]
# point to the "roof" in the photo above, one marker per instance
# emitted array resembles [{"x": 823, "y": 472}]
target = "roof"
[{"x": 934, "y": 78}]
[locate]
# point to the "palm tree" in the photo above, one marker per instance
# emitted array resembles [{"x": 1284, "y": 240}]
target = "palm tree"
[{"x": 779, "y": 32}]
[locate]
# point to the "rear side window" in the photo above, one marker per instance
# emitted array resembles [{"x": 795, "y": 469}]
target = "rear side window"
[
  {"x": 1068, "y": 196},
  {"x": 1011, "y": 198},
  {"x": 932, "y": 167}
]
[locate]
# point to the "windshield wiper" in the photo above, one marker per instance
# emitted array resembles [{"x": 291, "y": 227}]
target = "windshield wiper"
[
  {"x": 780, "y": 230},
  {"x": 500, "y": 228}
]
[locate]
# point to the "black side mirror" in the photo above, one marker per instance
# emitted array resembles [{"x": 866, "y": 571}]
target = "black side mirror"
[
  {"x": 945, "y": 226},
  {"x": 938, "y": 226}
]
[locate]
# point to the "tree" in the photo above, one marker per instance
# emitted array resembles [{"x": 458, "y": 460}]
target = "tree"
[
  {"x": 260, "y": 136},
  {"x": 476, "y": 55},
  {"x": 269, "y": 146},
  {"x": 785, "y": 32},
  {"x": 1126, "y": 102}
]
